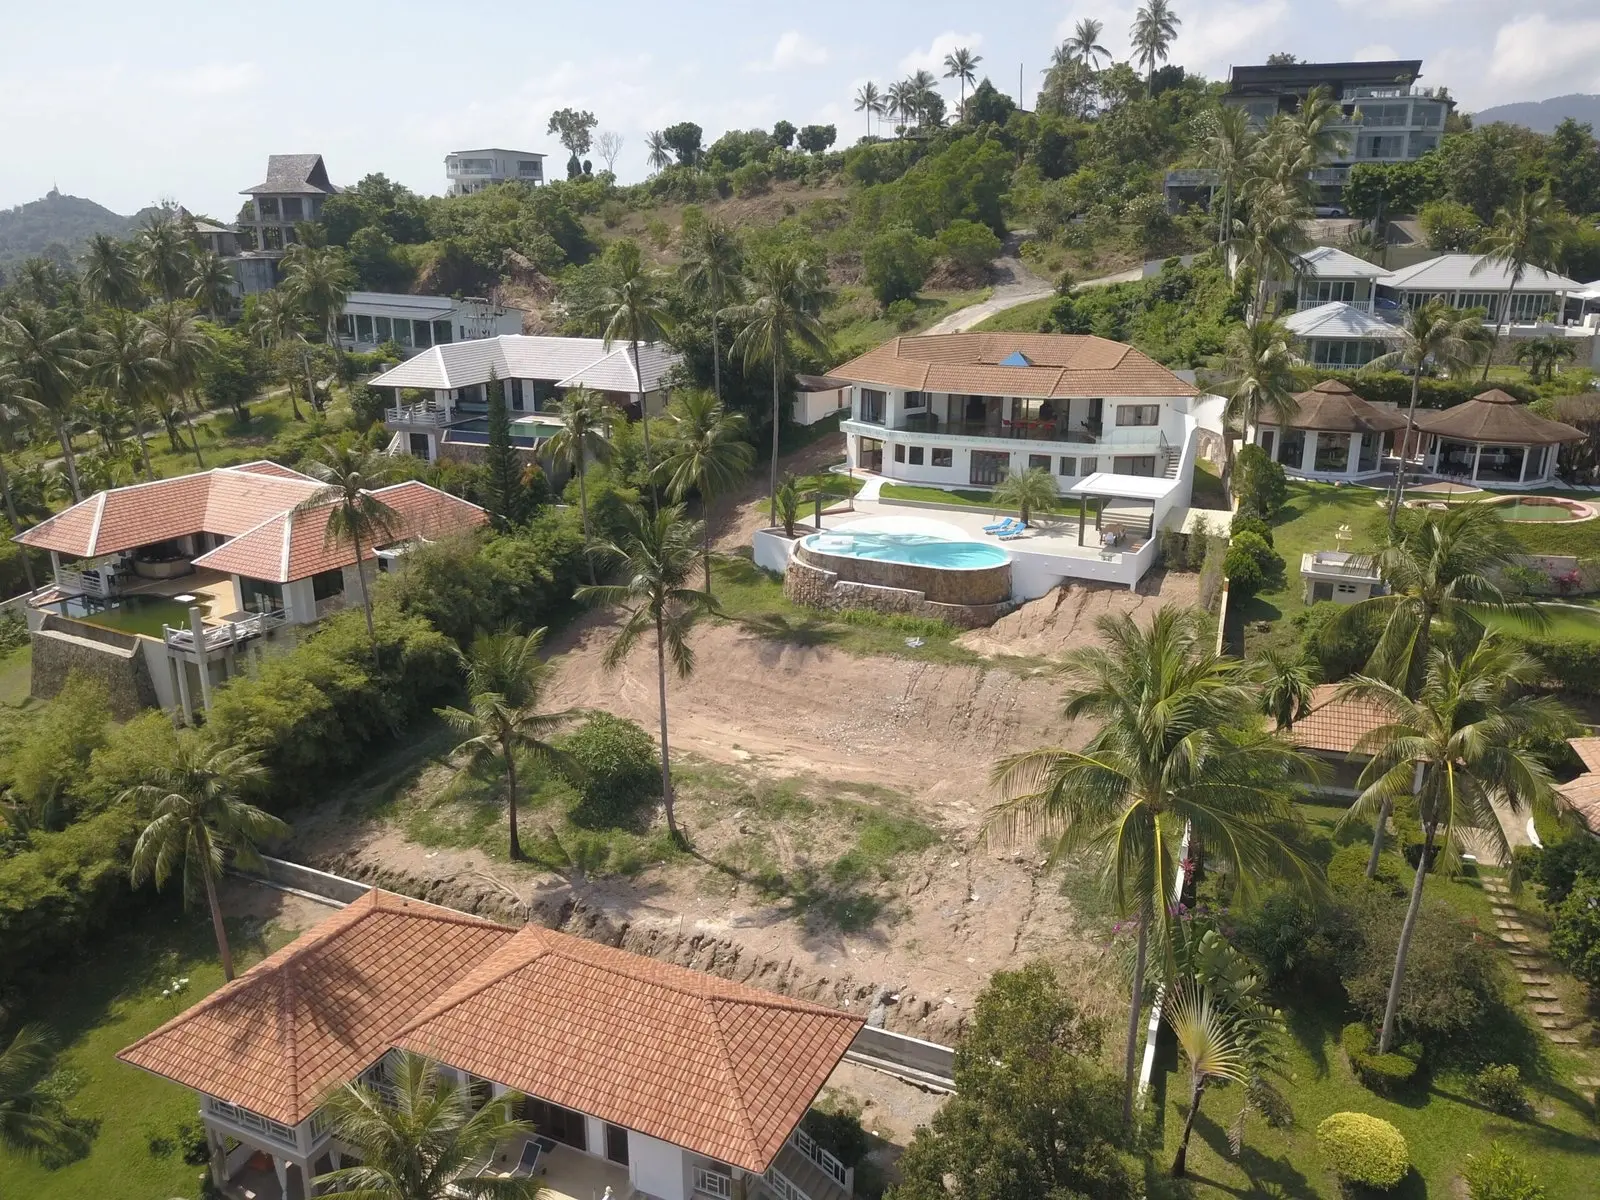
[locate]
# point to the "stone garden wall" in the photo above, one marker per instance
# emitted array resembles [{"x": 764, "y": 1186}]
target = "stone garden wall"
[
  {"x": 116, "y": 660},
  {"x": 815, "y": 587},
  {"x": 977, "y": 586}
]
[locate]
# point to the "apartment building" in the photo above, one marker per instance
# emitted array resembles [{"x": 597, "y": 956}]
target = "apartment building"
[{"x": 473, "y": 170}]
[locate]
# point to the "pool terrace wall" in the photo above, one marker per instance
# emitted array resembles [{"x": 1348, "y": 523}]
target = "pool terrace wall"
[
  {"x": 817, "y": 587},
  {"x": 971, "y": 586}
]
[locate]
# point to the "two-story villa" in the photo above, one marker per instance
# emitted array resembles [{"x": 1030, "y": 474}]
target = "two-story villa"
[
  {"x": 293, "y": 191},
  {"x": 473, "y": 170}
]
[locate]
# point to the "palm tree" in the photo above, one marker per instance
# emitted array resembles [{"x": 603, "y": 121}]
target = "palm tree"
[
  {"x": 920, "y": 90},
  {"x": 355, "y": 514},
  {"x": 1464, "y": 746},
  {"x": 1027, "y": 492},
  {"x": 1288, "y": 681},
  {"x": 657, "y": 552},
  {"x": 506, "y": 681},
  {"x": 1366, "y": 243},
  {"x": 16, "y": 414},
  {"x": 124, "y": 361},
  {"x": 1271, "y": 235},
  {"x": 962, "y": 64},
  {"x": 1527, "y": 233},
  {"x": 1542, "y": 354},
  {"x": 583, "y": 436},
  {"x": 712, "y": 268},
  {"x": 1432, "y": 333},
  {"x": 318, "y": 280},
  {"x": 634, "y": 306},
  {"x": 184, "y": 349},
  {"x": 1179, "y": 746},
  {"x": 211, "y": 285},
  {"x": 33, "y": 1120},
  {"x": 707, "y": 453},
  {"x": 199, "y": 817},
  {"x": 276, "y": 323},
  {"x": 163, "y": 250},
  {"x": 417, "y": 1141},
  {"x": 1155, "y": 28},
  {"x": 1084, "y": 44},
  {"x": 787, "y": 306},
  {"x": 660, "y": 153},
  {"x": 1259, "y": 384},
  {"x": 1227, "y": 149},
  {"x": 42, "y": 350},
  {"x": 870, "y": 101},
  {"x": 110, "y": 274}
]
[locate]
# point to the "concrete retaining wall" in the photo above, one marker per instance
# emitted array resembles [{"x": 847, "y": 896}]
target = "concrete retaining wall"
[
  {"x": 309, "y": 879},
  {"x": 978, "y": 586},
  {"x": 815, "y": 587},
  {"x": 115, "y": 660}
]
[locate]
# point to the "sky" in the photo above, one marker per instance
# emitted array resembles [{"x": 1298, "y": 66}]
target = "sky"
[{"x": 130, "y": 104}]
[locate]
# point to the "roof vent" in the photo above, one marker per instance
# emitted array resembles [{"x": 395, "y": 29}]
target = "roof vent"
[{"x": 1015, "y": 359}]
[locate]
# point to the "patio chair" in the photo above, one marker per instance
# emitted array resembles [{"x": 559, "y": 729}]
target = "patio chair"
[
  {"x": 477, "y": 1166},
  {"x": 1001, "y": 526},
  {"x": 526, "y": 1164},
  {"x": 1013, "y": 534}
]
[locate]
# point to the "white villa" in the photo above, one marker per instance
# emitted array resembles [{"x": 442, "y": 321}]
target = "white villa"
[
  {"x": 533, "y": 371},
  {"x": 640, "y": 1078},
  {"x": 1472, "y": 281},
  {"x": 1340, "y": 334},
  {"x": 1335, "y": 434},
  {"x": 417, "y": 323},
  {"x": 1325, "y": 274},
  {"x": 473, "y": 170}
]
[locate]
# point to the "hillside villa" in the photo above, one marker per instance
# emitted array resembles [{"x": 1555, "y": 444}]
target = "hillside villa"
[
  {"x": 417, "y": 323},
  {"x": 447, "y": 418},
  {"x": 158, "y": 587},
  {"x": 641, "y": 1078}
]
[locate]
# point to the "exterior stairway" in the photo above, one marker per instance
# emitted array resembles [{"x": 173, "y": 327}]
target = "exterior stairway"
[
  {"x": 1170, "y": 463},
  {"x": 806, "y": 1178}
]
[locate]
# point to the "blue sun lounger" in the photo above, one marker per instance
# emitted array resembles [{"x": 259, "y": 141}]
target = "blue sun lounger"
[
  {"x": 1009, "y": 525},
  {"x": 1014, "y": 533}
]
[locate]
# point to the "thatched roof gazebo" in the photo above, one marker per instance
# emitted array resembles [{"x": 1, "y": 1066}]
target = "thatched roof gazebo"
[
  {"x": 1494, "y": 439},
  {"x": 1334, "y": 434}
]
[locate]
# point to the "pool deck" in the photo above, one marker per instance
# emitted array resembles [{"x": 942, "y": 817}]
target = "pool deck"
[
  {"x": 1055, "y": 535},
  {"x": 213, "y": 587}
]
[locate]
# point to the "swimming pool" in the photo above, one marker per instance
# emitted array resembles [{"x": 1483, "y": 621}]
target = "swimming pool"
[
  {"x": 525, "y": 431},
  {"x": 141, "y": 614},
  {"x": 915, "y": 549},
  {"x": 1541, "y": 508}
]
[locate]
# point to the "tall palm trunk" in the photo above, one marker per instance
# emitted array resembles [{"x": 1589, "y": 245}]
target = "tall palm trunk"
[
  {"x": 69, "y": 458},
  {"x": 666, "y": 762},
  {"x": 508, "y": 750},
  {"x": 1403, "y": 450},
  {"x": 1135, "y": 1011},
  {"x": 705, "y": 548},
  {"x": 716, "y": 350},
  {"x": 583, "y": 507},
  {"x": 311, "y": 386},
  {"x": 138, "y": 432},
  {"x": 644, "y": 426},
  {"x": 216, "y": 926},
  {"x": 1416, "y": 671},
  {"x": 1499, "y": 323},
  {"x": 194, "y": 438},
  {"x": 366, "y": 600},
  {"x": 772, "y": 513},
  {"x": 1181, "y": 1158},
  {"x": 1391, "y": 1008},
  {"x": 16, "y": 525}
]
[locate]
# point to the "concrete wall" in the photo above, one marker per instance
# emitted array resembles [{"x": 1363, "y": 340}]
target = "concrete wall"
[
  {"x": 657, "y": 1168},
  {"x": 770, "y": 551},
  {"x": 114, "y": 659},
  {"x": 815, "y": 587},
  {"x": 977, "y": 586}
]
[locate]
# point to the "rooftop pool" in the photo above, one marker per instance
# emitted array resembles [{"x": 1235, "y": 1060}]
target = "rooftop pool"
[{"x": 916, "y": 549}]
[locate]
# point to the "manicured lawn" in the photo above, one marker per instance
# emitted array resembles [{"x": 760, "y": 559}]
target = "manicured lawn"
[
  {"x": 97, "y": 1005},
  {"x": 15, "y": 674},
  {"x": 1310, "y": 521}
]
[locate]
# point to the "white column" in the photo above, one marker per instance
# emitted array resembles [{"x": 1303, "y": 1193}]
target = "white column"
[
  {"x": 280, "y": 1167},
  {"x": 1477, "y": 457},
  {"x": 1353, "y": 459},
  {"x": 1308, "y": 452},
  {"x": 197, "y": 627},
  {"x": 1522, "y": 471}
]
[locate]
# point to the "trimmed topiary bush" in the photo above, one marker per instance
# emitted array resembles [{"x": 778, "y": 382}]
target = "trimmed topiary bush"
[
  {"x": 1363, "y": 1149},
  {"x": 1499, "y": 1086},
  {"x": 1248, "y": 522},
  {"x": 1347, "y": 871},
  {"x": 1251, "y": 564},
  {"x": 621, "y": 771},
  {"x": 1384, "y": 1074},
  {"x": 1498, "y": 1174}
]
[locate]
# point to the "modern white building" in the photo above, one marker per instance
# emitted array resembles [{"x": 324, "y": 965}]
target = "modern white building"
[
  {"x": 1334, "y": 434},
  {"x": 818, "y": 397},
  {"x": 473, "y": 170},
  {"x": 1340, "y": 334},
  {"x": 418, "y": 323},
  {"x": 1324, "y": 274},
  {"x": 1473, "y": 281}
]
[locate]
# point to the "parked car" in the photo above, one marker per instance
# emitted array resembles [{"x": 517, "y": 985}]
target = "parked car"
[{"x": 1330, "y": 210}]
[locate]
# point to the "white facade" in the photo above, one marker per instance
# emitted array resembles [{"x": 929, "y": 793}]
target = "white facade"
[
  {"x": 1473, "y": 281},
  {"x": 1324, "y": 454},
  {"x": 474, "y": 170},
  {"x": 417, "y": 323}
]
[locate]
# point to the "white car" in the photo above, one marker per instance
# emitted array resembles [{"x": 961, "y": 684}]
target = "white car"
[{"x": 1330, "y": 210}]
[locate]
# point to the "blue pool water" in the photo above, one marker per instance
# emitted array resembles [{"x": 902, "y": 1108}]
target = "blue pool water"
[{"x": 916, "y": 548}]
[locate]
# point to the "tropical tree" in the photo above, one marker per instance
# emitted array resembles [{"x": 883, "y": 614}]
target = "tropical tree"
[
  {"x": 583, "y": 436},
  {"x": 1270, "y": 236},
  {"x": 1258, "y": 383},
  {"x": 41, "y": 349},
  {"x": 962, "y": 64},
  {"x": 1227, "y": 149},
  {"x": 211, "y": 285},
  {"x": 785, "y": 307},
  {"x": 1084, "y": 44},
  {"x": 633, "y": 304},
  {"x": 276, "y": 323},
  {"x": 706, "y": 453},
  {"x": 355, "y": 513},
  {"x": 184, "y": 348},
  {"x": 869, "y": 100},
  {"x": 921, "y": 88},
  {"x": 657, "y": 553},
  {"x": 1179, "y": 747},
  {"x": 712, "y": 268},
  {"x": 111, "y": 274},
  {"x": 1463, "y": 747},
  {"x": 318, "y": 280},
  {"x": 1027, "y": 492},
  {"x": 123, "y": 359},
  {"x": 506, "y": 683},
  {"x": 33, "y": 1120},
  {"x": 163, "y": 250},
  {"x": 660, "y": 153},
  {"x": 1288, "y": 681},
  {"x": 1432, "y": 333},
  {"x": 199, "y": 817},
  {"x": 417, "y": 1141},
  {"x": 1526, "y": 233},
  {"x": 1155, "y": 28},
  {"x": 901, "y": 101},
  {"x": 16, "y": 415},
  {"x": 1542, "y": 355}
]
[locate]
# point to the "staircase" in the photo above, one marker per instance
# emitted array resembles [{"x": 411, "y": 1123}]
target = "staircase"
[
  {"x": 1171, "y": 460},
  {"x": 793, "y": 1176}
]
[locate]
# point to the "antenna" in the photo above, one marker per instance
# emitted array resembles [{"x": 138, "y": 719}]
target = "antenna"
[{"x": 1019, "y": 85}]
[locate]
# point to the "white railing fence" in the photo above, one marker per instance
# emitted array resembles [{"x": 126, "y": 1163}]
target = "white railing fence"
[
  {"x": 713, "y": 1183},
  {"x": 825, "y": 1162},
  {"x": 782, "y": 1186},
  {"x": 229, "y": 633},
  {"x": 427, "y": 413},
  {"x": 88, "y": 582}
]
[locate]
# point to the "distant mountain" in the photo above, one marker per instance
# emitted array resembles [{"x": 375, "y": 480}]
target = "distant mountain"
[
  {"x": 57, "y": 226},
  {"x": 1542, "y": 116}
]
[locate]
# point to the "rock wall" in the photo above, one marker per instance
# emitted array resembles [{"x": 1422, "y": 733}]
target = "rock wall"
[
  {"x": 815, "y": 587},
  {"x": 977, "y": 586},
  {"x": 61, "y": 647}
]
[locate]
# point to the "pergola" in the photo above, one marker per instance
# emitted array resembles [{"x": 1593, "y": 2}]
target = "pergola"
[
  {"x": 1494, "y": 439},
  {"x": 1127, "y": 504}
]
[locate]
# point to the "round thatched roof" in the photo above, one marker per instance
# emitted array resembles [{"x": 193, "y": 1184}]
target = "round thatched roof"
[
  {"x": 1333, "y": 407},
  {"x": 1499, "y": 419}
]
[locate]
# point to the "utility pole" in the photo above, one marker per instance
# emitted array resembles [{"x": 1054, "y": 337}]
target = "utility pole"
[{"x": 1019, "y": 85}]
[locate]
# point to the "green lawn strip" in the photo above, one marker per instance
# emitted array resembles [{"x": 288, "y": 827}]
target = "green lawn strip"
[
  {"x": 16, "y": 671},
  {"x": 102, "y": 1002},
  {"x": 1024, "y": 318},
  {"x": 856, "y": 323},
  {"x": 1208, "y": 491}
]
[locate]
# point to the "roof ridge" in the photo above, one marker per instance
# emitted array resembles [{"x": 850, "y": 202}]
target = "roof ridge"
[
  {"x": 288, "y": 1030},
  {"x": 735, "y": 1084},
  {"x": 437, "y": 1007}
]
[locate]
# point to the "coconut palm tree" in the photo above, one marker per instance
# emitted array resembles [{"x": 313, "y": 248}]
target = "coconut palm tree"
[
  {"x": 1269, "y": 238},
  {"x": 584, "y": 436},
  {"x": 1227, "y": 149},
  {"x": 163, "y": 251},
  {"x": 1436, "y": 334},
  {"x": 921, "y": 87},
  {"x": 355, "y": 514},
  {"x": 184, "y": 348},
  {"x": 706, "y": 453},
  {"x": 1027, "y": 492},
  {"x": 1526, "y": 233},
  {"x": 318, "y": 279},
  {"x": 1155, "y": 28},
  {"x": 901, "y": 102},
  {"x": 1179, "y": 746},
  {"x": 1084, "y": 44},
  {"x": 712, "y": 264},
  {"x": 1463, "y": 746},
  {"x": 276, "y": 324},
  {"x": 786, "y": 307},
  {"x": 33, "y": 1120},
  {"x": 1258, "y": 384},
  {"x": 199, "y": 817},
  {"x": 211, "y": 285},
  {"x": 42, "y": 350},
  {"x": 110, "y": 273},
  {"x": 1366, "y": 243},
  {"x": 1288, "y": 680},
  {"x": 123, "y": 359},
  {"x": 657, "y": 552},
  {"x": 962, "y": 64},
  {"x": 633, "y": 304},
  {"x": 415, "y": 1139},
  {"x": 17, "y": 413},
  {"x": 869, "y": 100},
  {"x": 660, "y": 153},
  {"x": 506, "y": 682},
  {"x": 1542, "y": 355}
]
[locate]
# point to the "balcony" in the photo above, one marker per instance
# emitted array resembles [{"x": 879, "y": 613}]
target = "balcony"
[
  {"x": 1023, "y": 431},
  {"x": 228, "y": 633},
  {"x": 426, "y": 415}
]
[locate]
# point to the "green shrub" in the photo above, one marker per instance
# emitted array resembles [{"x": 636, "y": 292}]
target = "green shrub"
[
  {"x": 1290, "y": 938},
  {"x": 894, "y": 264},
  {"x": 1245, "y": 521},
  {"x": 1347, "y": 871},
  {"x": 1341, "y": 647},
  {"x": 1250, "y": 565},
  {"x": 969, "y": 246},
  {"x": 1575, "y": 935},
  {"x": 1384, "y": 1074},
  {"x": 1363, "y": 1149},
  {"x": 1260, "y": 484},
  {"x": 1557, "y": 867},
  {"x": 1499, "y": 1086},
  {"x": 1498, "y": 1174},
  {"x": 1570, "y": 664},
  {"x": 621, "y": 771},
  {"x": 837, "y": 1129}
]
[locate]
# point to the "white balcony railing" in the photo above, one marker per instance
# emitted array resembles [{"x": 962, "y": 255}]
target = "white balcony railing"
[
  {"x": 782, "y": 1186},
  {"x": 713, "y": 1183},
  {"x": 88, "y": 582},
  {"x": 229, "y": 633},
  {"x": 823, "y": 1160},
  {"x": 426, "y": 414}
]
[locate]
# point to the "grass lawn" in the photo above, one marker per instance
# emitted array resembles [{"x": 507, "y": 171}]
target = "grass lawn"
[
  {"x": 15, "y": 675},
  {"x": 856, "y": 323},
  {"x": 1024, "y": 318},
  {"x": 1208, "y": 491},
  {"x": 96, "y": 1006}
]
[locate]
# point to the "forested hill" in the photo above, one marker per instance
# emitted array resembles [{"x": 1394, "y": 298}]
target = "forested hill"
[
  {"x": 55, "y": 221},
  {"x": 1542, "y": 116}
]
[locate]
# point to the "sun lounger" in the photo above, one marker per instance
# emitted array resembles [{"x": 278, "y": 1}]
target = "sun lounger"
[
  {"x": 1012, "y": 534},
  {"x": 528, "y": 1161},
  {"x": 1002, "y": 526}
]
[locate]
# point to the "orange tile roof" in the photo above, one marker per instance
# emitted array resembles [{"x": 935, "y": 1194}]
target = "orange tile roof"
[
  {"x": 290, "y": 546},
  {"x": 720, "y": 1068},
  {"x": 1582, "y": 794},
  {"x": 1058, "y": 365},
  {"x": 1335, "y": 725},
  {"x": 320, "y": 1010}
]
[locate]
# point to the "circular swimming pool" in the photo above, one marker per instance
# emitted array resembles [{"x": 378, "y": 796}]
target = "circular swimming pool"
[{"x": 916, "y": 549}]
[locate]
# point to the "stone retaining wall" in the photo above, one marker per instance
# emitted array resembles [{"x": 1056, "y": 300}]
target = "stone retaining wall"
[
  {"x": 815, "y": 587},
  {"x": 965, "y": 587},
  {"x": 115, "y": 660}
]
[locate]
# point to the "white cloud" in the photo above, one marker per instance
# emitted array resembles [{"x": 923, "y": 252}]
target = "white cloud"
[
  {"x": 1547, "y": 56},
  {"x": 931, "y": 57},
  {"x": 213, "y": 79},
  {"x": 1115, "y": 19},
  {"x": 1377, "y": 52},
  {"x": 794, "y": 49},
  {"x": 1221, "y": 35}
]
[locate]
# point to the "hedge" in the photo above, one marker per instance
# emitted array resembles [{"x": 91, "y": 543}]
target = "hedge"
[
  {"x": 1362, "y": 1149},
  {"x": 1570, "y": 664},
  {"x": 1381, "y": 1073}
]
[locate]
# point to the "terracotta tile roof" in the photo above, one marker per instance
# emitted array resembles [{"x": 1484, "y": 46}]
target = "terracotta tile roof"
[
  {"x": 720, "y": 1068},
  {"x": 1582, "y": 794},
  {"x": 1498, "y": 418},
  {"x": 1043, "y": 364},
  {"x": 1334, "y": 725},
  {"x": 322, "y": 1009}
]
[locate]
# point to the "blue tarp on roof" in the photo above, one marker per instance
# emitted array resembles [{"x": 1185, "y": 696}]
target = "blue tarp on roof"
[{"x": 1015, "y": 359}]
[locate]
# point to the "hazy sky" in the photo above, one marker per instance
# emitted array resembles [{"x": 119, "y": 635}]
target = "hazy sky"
[{"x": 131, "y": 103}]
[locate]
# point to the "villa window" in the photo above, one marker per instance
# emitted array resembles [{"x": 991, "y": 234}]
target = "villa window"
[
  {"x": 1038, "y": 462},
  {"x": 873, "y": 403},
  {"x": 402, "y": 331},
  {"x": 1088, "y": 466},
  {"x": 1530, "y": 306},
  {"x": 363, "y": 329},
  {"x": 326, "y": 584},
  {"x": 1422, "y": 143},
  {"x": 516, "y": 394},
  {"x": 989, "y": 467},
  {"x": 385, "y": 328},
  {"x": 529, "y": 168},
  {"x": 916, "y": 400},
  {"x": 293, "y": 208},
  {"x": 1488, "y": 301},
  {"x": 422, "y": 331},
  {"x": 943, "y": 458},
  {"x": 441, "y": 333},
  {"x": 1292, "y": 448},
  {"x": 271, "y": 237},
  {"x": 258, "y": 596},
  {"x": 1325, "y": 291},
  {"x": 899, "y": 453},
  {"x": 1267, "y": 437},
  {"x": 290, "y": 237},
  {"x": 916, "y": 456},
  {"x": 267, "y": 206},
  {"x": 1138, "y": 414},
  {"x": 347, "y": 327},
  {"x": 1383, "y": 145},
  {"x": 1069, "y": 466},
  {"x": 1333, "y": 452}
]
